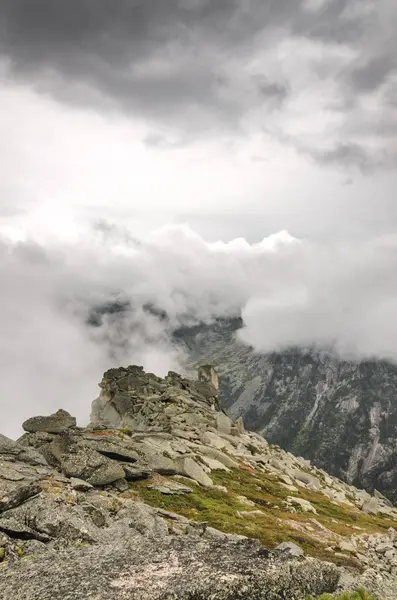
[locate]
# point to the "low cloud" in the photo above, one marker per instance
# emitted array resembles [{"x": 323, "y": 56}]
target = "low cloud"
[{"x": 59, "y": 334}]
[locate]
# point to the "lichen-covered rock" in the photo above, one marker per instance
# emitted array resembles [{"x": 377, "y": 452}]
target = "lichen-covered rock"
[
  {"x": 56, "y": 423},
  {"x": 91, "y": 466},
  {"x": 193, "y": 470},
  {"x": 184, "y": 569},
  {"x": 18, "y": 495},
  {"x": 78, "y": 500}
]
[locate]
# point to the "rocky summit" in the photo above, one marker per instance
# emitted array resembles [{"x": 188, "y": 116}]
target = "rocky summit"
[{"x": 165, "y": 497}]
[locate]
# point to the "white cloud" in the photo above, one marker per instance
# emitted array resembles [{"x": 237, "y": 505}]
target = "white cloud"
[{"x": 291, "y": 292}]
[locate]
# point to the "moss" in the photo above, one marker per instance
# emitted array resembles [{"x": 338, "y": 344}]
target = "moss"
[
  {"x": 125, "y": 431},
  {"x": 2, "y": 554},
  {"x": 360, "y": 594},
  {"x": 220, "y": 510},
  {"x": 347, "y": 517},
  {"x": 277, "y": 524},
  {"x": 20, "y": 552}
]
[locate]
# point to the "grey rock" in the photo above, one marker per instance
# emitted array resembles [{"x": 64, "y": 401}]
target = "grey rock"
[
  {"x": 371, "y": 506},
  {"x": 219, "y": 456},
  {"x": 115, "y": 450},
  {"x": 55, "y": 423},
  {"x": 239, "y": 426},
  {"x": 121, "y": 485},
  {"x": 306, "y": 478},
  {"x": 136, "y": 472},
  {"x": 163, "y": 465},
  {"x": 21, "y": 531},
  {"x": 171, "y": 488},
  {"x": 92, "y": 467},
  {"x": 193, "y": 470},
  {"x": 153, "y": 570},
  {"x": 18, "y": 496},
  {"x": 7, "y": 446},
  {"x": 291, "y": 548},
  {"x": 383, "y": 498},
  {"x": 223, "y": 423},
  {"x": 290, "y": 396},
  {"x": 32, "y": 457},
  {"x": 80, "y": 485}
]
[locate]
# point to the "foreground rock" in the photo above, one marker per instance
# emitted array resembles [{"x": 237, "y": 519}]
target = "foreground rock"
[
  {"x": 182, "y": 568},
  {"x": 146, "y": 503},
  {"x": 56, "y": 423}
]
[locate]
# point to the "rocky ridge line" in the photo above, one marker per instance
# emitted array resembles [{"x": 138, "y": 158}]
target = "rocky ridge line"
[{"x": 72, "y": 518}]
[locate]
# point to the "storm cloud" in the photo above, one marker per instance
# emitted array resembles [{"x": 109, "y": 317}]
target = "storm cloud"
[
  {"x": 150, "y": 151},
  {"x": 210, "y": 67}
]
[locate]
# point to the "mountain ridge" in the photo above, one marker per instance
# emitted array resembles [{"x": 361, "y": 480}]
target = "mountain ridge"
[
  {"x": 341, "y": 415},
  {"x": 163, "y": 496}
]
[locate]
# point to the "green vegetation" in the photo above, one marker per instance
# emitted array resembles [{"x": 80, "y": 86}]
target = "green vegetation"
[
  {"x": 358, "y": 595},
  {"x": 276, "y": 522}
]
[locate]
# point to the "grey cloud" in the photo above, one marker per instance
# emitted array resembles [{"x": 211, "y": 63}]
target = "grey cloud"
[
  {"x": 153, "y": 57},
  {"x": 89, "y": 308},
  {"x": 374, "y": 72},
  {"x": 346, "y": 155},
  {"x": 182, "y": 64}
]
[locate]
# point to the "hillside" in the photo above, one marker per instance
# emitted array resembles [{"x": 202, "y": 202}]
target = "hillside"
[
  {"x": 163, "y": 496},
  {"x": 340, "y": 415}
]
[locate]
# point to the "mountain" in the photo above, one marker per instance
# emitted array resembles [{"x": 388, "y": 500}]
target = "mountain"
[
  {"x": 340, "y": 415},
  {"x": 165, "y": 497}
]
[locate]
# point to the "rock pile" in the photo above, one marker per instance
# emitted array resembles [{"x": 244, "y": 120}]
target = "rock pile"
[{"x": 69, "y": 501}]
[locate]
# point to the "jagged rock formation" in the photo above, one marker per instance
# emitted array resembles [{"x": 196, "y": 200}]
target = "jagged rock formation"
[
  {"x": 340, "y": 415},
  {"x": 158, "y": 499}
]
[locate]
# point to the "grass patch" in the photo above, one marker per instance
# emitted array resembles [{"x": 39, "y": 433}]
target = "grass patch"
[
  {"x": 221, "y": 510},
  {"x": 360, "y": 594}
]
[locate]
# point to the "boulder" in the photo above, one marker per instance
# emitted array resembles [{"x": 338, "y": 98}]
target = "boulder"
[
  {"x": 7, "y": 446},
  {"x": 223, "y": 423},
  {"x": 290, "y": 548},
  {"x": 136, "y": 472},
  {"x": 193, "y": 470},
  {"x": 171, "y": 488},
  {"x": 302, "y": 503},
  {"x": 219, "y": 456},
  {"x": 21, "y": 531},
  {"x": 111, "y": 449},
  {"x": 80, "y": 485},
  {"x": 371, "y": 506},
  {"x": 91, "y": 466},
  {"x": 18, "y": 496},
  {"x": 55, "y": 423},
  {"x": 309, "y": 480}
]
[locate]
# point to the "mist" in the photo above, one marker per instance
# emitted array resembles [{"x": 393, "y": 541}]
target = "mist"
[{"x": 57, "y": 340}]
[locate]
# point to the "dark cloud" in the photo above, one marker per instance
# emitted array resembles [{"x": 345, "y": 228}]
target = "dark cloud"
[
  {"x": 184, "y": 63},
  {"x": 374, "y": 73},
  {"x": 348, "y": 154},
  {"x": 149, "y": 56}
]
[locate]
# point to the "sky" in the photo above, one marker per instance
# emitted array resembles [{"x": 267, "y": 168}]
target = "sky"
[{"x": 206, "y": 156}]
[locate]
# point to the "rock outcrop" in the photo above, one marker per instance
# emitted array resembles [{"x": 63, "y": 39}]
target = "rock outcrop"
[
  {"x": 164, "y": 497},
  {"x": 341, "y": 415}
]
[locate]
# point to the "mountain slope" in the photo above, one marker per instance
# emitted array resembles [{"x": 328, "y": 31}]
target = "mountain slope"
[
  {"x": 341, "y": 415},
  {"x": 163, "y": 496}
]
